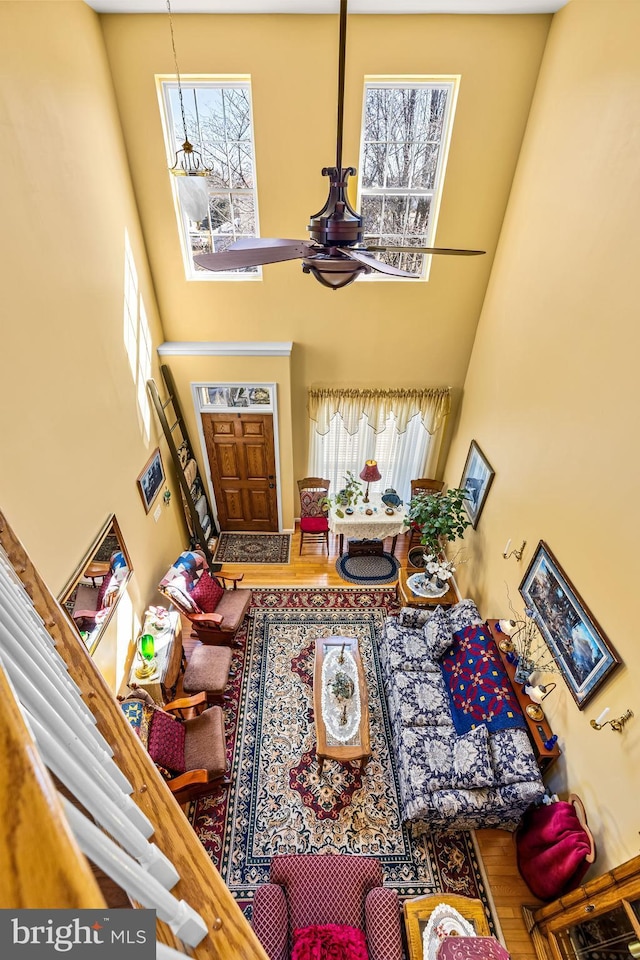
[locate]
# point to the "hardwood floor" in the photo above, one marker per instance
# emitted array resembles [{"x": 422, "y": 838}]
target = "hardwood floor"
[{"x": 496, "y": 847}]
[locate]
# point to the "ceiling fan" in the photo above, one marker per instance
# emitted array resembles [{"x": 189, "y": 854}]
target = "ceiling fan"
[{"x": 336, "y": 253}]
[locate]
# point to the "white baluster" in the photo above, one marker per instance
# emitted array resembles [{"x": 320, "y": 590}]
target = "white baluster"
[
  {"x": 105, "y": 811},
  {"x": 70, "y": 734},
  {"x": 185, "y": 922},
  {"x": 76, "y": 718}
]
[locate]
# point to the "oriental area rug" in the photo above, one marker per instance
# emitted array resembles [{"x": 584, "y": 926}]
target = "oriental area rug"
[
  {"x": 253, "y": 548},
  {"x": 277, "y": 802}
]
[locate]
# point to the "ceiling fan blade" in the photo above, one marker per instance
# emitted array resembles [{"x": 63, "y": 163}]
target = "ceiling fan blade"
[
  {"x": 253, "y": 252},
  {"x": 376, "y": 264},
  {"x": 448, "y": 251}
]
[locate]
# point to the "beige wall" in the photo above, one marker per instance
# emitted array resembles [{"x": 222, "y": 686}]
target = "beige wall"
[
  {"x": 378, "y": 334},
  {"x": 552, "y": 391},
  {"x": 71, "y": 434}
]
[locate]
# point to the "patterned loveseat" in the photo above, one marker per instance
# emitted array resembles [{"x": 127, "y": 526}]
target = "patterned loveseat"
[{"x": 481, "y": 772}]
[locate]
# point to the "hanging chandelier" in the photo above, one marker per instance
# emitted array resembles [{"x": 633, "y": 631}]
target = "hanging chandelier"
[{"x": 189, "y": 162}]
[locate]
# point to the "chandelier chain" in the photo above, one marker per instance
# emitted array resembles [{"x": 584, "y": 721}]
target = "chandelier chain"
[{"x": 175, "y": 60}]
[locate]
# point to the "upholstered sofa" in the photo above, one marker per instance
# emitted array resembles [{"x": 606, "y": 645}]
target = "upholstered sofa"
[{"x": 463, "y": 753}]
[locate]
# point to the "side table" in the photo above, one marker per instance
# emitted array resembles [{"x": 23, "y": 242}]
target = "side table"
[
  {"x": 168, "y": 653},
  {"x": 409, "y": 599},
  {"x": 539, "y": 730}
]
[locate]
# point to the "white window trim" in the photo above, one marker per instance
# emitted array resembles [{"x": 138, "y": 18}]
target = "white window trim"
[
  {"x": 452, "y": 82},
  {"x": 221, "y": 80}
]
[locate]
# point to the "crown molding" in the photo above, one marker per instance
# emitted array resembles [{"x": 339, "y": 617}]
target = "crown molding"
[{"x": 211, "y": 348}]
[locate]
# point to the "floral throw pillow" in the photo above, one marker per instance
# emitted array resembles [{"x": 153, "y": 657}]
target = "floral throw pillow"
[
  {"x": 472, "y": 760},
  {"x": 437, "y": 634}
]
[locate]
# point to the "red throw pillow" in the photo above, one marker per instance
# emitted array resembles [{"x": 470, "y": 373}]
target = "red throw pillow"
[
  {"x": 331, "y": 941},
  {"x": 207, "y": 593},
  {"x": 166, "y": 742}
]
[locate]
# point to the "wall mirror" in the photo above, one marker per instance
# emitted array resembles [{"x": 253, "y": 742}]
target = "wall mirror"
[{"x": 92, "y": 593}]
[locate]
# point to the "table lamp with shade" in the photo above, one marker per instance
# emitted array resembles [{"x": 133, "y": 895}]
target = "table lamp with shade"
[
  {"x": 146, "y": 652},
  {"x": 370, "y": 474}
]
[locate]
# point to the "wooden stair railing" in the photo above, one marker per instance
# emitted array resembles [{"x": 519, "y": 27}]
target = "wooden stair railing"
[{"x": 40, "y": 862}]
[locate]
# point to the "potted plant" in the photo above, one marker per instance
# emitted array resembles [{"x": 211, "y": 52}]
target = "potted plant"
[
  {"x": 347, "y": 497},
  {"x": 440, "y": 516}
]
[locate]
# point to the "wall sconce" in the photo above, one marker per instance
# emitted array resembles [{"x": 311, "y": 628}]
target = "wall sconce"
[
  {"x": 514, "y": 553},
  {"x": 616, "y": 724},
  {"x": 166, "y": 496}
]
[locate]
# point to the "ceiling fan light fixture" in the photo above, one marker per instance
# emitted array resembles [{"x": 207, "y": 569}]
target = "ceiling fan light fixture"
[{"x": 333, "y": 272}]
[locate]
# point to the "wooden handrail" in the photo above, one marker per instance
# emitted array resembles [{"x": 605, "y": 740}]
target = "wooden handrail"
[{"x": 200, "y": 885}]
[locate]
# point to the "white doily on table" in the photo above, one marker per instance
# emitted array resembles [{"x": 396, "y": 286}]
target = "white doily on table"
[
  {"x": 332, "y": 706},
  {"x": 424, "y": 588},
  {"x": 443, "y": 922}
]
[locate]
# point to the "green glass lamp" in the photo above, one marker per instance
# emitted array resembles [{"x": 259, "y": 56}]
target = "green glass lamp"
[{"x": 147, "y": 652}]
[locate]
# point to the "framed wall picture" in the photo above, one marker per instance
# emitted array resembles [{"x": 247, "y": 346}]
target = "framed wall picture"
[
  {"x": 151, "y": 480},
  {"x": 477, "y": 477},
  {"x": 583, "y": 654}
]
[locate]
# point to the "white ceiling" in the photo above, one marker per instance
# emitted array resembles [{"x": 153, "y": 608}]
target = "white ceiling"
[{"x": 328, "y": 6}]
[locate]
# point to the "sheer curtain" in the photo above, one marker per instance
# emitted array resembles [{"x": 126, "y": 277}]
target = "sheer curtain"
[{"x": 402, "y": 430}]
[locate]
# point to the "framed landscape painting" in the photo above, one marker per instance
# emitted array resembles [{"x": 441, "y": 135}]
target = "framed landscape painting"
[
  {"x": 151, "y": 480},
  {"x": 477, "y": 477},
  {"x": 584, "y": 656}
]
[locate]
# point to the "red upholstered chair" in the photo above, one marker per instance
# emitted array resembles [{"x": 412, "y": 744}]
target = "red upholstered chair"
[
  {"x": 308, "y": 889},
  {"x": 314, "y": 524}
]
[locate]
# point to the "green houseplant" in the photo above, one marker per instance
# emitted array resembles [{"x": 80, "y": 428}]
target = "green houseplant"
[
  {"x": 347, "y": 497},
  {"x": 440, "y": 517}
]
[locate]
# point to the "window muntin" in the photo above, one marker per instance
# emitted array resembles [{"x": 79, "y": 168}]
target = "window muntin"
[
  {"x": 219, "y": 125},
  {"x": 406, "y": 132}
]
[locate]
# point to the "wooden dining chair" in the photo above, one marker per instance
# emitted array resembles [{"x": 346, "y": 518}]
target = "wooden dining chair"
[
  {"x": 314, "y": 523},
  {"x": 424, "y": 485}
]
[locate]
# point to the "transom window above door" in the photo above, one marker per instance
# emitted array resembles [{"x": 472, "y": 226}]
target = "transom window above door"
[
  {"x": 406, "y": 131},
  {"x": 215, "y": 210}
]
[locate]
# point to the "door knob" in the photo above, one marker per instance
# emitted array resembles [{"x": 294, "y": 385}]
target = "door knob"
[{"x": 271, "y": 486}]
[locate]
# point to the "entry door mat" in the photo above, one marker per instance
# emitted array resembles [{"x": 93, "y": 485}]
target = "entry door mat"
[
  {"x": 253, "y": 548},
  {"x": 368, "y": 571},
  {"x": 276, "y": 802}
]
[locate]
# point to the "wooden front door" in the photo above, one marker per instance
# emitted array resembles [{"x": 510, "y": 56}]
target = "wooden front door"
[{"x": 243, "y": 469}]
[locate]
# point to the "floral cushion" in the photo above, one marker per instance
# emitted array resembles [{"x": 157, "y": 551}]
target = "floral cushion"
[
  {"x": 437, "y": 634},
  {"x": 419, "y": 699},
  {"x": 329, "y": 941},
  {"x": 472, "y": 765},
  {"x": 166, "y": 742},
  {"x": 207, "y": 593}
]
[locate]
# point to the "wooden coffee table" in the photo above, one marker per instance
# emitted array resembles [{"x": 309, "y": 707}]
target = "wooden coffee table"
[
  {"x": 409, "y": 599},
  {"x": 326, "y": 749}
]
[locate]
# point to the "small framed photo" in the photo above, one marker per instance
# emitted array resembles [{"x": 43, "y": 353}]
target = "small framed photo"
[
  {"x": 151, "y": 480},
  {"x": 477, "y": 477},
  {"x": 584, "y": 656}
]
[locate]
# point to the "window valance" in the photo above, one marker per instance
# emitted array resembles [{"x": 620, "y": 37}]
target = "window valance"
[{"x": 432, "y": 404}]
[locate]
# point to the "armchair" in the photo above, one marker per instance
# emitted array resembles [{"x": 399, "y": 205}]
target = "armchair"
[
  {"x": 91, "y": 604},
  {"x": 214, "y": 609},
  {"x": 193, "y": 755},
  {"x": 310, "y": 889}
]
